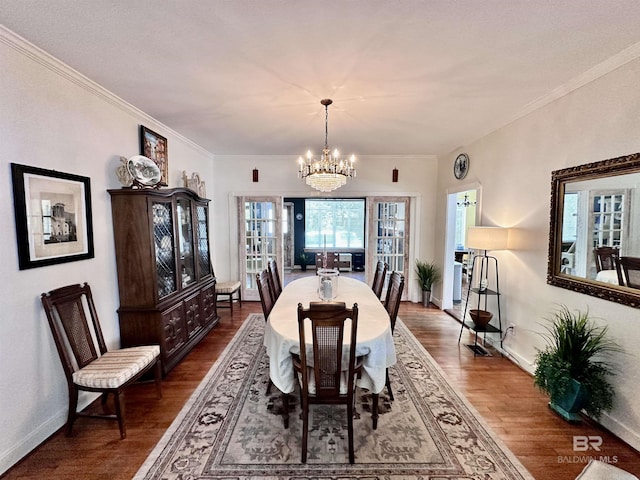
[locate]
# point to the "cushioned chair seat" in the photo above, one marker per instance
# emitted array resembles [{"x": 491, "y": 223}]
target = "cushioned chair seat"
[
  {"x": 597, "y": 470},
  {"x": 227, "y": 287},
  {"x": 116, "y": 367}
]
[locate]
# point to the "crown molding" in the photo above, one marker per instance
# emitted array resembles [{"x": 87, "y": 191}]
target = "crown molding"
[
  {"x": 609, "y": 65},
  {"x": 41, "y": 57}
]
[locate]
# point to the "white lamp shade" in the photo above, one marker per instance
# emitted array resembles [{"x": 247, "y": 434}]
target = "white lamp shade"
[{"x": 488, "y": 238}]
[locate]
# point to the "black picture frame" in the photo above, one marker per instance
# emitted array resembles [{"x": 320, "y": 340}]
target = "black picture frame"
[
  {"x": 53, "y": 216},
  {"x": 154, "y": 146}
]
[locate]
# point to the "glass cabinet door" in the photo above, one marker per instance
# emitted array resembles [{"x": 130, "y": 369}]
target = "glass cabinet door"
[
  {"x": 186, "y": 262},
  {"x": 204, "y": 262},
  {"x": 164, "y": 248}
]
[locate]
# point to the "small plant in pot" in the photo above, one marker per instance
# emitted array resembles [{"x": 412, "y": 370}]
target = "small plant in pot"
[
  {"x": 573, "y": 367},
  {"x": 428, "y": 274},
  {"x": 302, "y": 258}
]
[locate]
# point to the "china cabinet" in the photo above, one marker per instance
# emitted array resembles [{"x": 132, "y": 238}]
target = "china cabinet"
[{"x": 165, "y": 279}]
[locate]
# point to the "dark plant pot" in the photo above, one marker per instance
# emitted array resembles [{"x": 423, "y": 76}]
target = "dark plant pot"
[
  {"x": 426, "y": 297},
  {"x": 569, "y": 406},
  {"x": 303, "y": 267}
]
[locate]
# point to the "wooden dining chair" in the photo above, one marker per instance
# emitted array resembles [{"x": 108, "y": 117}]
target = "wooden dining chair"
[
  {"x": 327, "y": 381},
  {"x": 263, "y": 282},
  {"x": 87, "y": 363},
  {"x": 276, "y": 283},
  {"x": 379, "y": 278},
  {"x": 631, "y": 268},
  {"x": 605, "y": 258},
  {"x": 392, "y": 305},
  {"x": 327, "y": 260}
]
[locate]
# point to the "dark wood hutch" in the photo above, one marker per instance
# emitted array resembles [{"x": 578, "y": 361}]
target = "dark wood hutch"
[{"x": 165, "y": 279}]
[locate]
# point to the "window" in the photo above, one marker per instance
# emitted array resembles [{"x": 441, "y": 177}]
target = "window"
[{"x": 334, "y": 223}]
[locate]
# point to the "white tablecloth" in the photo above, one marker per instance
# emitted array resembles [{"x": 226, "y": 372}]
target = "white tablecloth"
[{"x": 374, "y": 340}]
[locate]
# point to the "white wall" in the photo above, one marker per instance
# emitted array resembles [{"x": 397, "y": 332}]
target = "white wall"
[
  {"x": 277, "y": 176},
  {"x": 598, "y": 121},
  {"x": 54, "y": 118}
]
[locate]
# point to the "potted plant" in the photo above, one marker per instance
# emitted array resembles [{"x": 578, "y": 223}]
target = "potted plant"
[
  {"x": 302, "y": 258},
  {"x": 573, "y": 367},
  {"x": 428, "y": 274}
]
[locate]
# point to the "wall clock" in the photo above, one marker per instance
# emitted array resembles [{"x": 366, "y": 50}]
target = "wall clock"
[
  {"x": 298, "y": 216},
  {"x": 461, "y": 166}
]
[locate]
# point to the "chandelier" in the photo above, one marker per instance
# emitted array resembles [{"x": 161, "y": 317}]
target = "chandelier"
[
  {"x": 328, "y": 172},
  {"x": 466, "y": 202}
]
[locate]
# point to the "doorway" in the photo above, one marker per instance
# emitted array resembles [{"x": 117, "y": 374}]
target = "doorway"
[{"x": 462, "y": 213}]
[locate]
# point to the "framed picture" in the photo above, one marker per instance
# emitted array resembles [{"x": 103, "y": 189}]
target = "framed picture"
[
  {"x": 53, "y": 216},
  {"x": 154, "y": 146}
]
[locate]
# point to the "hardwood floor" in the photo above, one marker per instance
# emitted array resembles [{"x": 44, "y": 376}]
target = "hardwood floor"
[{"x": 497, "y": 388}]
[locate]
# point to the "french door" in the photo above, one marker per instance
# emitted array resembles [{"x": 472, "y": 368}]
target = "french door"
[
  {"x": 389, "y": 235},
  {"x": 260, "y": 231}
]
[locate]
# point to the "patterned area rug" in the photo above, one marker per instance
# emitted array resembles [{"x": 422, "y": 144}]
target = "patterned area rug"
[{"x": 231, "y": 429}]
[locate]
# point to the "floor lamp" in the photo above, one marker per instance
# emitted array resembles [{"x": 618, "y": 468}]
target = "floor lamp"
[{"x": 484, "y": 239}]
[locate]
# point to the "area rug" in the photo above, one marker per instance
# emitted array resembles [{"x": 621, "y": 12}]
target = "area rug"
[{"x": 231, "y": 429}]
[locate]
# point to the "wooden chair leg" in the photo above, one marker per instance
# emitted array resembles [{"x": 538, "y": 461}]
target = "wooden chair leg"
[
  {"x": 350, "y": 431},
  {"x": 285, "y": 409},
  {"x": 388, "y": 384},
  {"x": 231, "y": 302},
  {"x": 103, "y": 400},
  {"x": 73, "y": 405},
  {"x": 120, "y": 412},
  {"x": 305, "y": 429},
  {"x": 158, "y": 377},
  {"x": 240, "y": 296},
  {"x": 374, "y": 410}
]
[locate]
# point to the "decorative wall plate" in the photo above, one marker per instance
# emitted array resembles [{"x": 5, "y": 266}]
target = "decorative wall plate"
[{"x": 144, "y": 171}]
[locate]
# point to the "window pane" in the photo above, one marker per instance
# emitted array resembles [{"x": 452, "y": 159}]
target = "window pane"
[{"x": 334, "y": 223}]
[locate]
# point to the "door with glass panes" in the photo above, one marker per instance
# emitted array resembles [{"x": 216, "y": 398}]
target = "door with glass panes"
[
  {"x": 260, "y": 232},
  {"x": 608, "y": 218},
  {"x": 388, "y": 236}
]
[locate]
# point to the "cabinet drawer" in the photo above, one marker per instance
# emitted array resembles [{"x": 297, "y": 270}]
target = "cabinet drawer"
[{"x": 173, "y": 330}]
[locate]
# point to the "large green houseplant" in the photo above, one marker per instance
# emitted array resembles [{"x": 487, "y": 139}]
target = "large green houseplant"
[
  {"x": 428, "y": 274},
  {"x": 573, "y": 368}
]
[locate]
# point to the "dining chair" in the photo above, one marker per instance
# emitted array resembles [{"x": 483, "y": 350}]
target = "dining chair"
[
  {"x": 605, "y": 258},
  {"x": 227, "y": 290},
  {"x": 331, "y": 378},
  {"x": 327, "y": 260},
  {"x": 392, "y": 305},
  {"x": 631, "y": 268},
  {"x": 87, "y": 364},
  {"x": 379, "y": 278},
  {"x": 263, "y": 282},
  {"x": 276, "y": 283}
]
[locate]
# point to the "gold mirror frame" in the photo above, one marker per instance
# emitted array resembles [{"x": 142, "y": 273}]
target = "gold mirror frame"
[{"x": 559, "y": 178}]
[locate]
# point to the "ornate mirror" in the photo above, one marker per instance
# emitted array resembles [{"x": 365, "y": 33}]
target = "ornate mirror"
[{"x": 595, "y": 229}]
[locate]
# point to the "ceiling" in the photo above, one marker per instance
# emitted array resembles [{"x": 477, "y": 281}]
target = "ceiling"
[{"x": 406, "y": 76}]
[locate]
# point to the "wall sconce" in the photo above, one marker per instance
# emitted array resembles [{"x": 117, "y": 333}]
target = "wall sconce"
[
  {"x": 394, "y": 176},
  {"x": 255, "y": 175}
]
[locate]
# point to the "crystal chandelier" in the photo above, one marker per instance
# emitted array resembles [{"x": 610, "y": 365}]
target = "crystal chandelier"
[{"x": 328, "y": 172}]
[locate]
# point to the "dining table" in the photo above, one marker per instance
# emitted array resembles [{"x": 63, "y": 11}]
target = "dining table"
[{"x": 374, "y": 338}]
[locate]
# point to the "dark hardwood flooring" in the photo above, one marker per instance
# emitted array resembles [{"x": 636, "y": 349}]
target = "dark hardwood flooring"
[{"x": 502, "y": 393}]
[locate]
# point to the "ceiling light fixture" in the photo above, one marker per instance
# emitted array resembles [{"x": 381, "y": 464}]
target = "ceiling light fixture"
[
  {"x": 328, "y": 172},
  {"x": 466, "y": 202}
]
